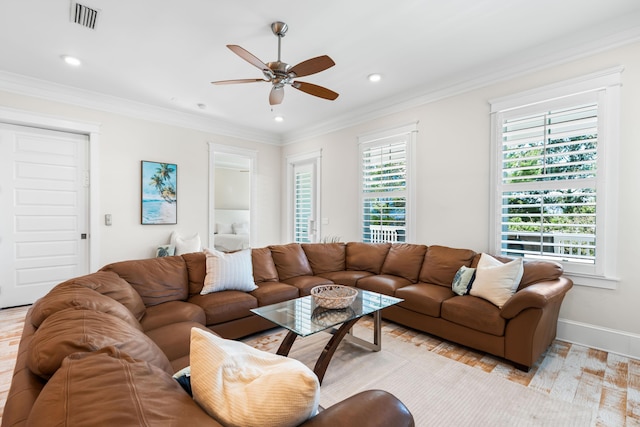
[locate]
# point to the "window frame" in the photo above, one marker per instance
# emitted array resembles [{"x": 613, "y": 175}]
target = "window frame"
[
  {"x": 387, "y": 136},
  {"x": 604, "y": 88}
]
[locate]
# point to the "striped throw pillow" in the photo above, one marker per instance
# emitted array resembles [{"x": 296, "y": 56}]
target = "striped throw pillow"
[{"x": 228, "y": 271}]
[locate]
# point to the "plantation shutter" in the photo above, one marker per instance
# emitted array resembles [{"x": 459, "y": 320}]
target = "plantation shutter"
[
  {"x": 548, "y": 183},
  {"x": 384, "y": 190},
  {"x": 303, "y": 203}
]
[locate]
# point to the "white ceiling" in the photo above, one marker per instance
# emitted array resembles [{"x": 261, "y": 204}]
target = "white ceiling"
[{"x": 164, "y": 54}]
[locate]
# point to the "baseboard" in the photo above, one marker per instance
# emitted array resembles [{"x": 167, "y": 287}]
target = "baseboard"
[{"x": 611, "y": 340}]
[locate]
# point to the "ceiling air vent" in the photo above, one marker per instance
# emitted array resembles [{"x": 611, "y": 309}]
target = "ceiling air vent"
[{"x": 84, "y": 15}]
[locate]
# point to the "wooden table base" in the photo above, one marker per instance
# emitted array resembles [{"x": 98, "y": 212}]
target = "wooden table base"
[{"x": 327, "y": 353}]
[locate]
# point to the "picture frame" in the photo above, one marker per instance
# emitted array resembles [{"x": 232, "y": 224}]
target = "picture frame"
[{"x": 159, "y": 193}]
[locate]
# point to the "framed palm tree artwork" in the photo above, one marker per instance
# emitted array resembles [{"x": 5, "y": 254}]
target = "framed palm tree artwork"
[{"x": 159, "y": 193}]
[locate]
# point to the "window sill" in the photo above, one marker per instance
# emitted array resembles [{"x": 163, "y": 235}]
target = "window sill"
[{"x": 601, "y": 282}]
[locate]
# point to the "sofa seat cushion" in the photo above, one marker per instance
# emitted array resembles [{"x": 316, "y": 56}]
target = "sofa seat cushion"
[
  {"x": 274, "y": 292},
  {"x": 246, "y": 387},
  {"x": 424, "y": 298},
  {"x": 306, "y": 283},
  {"x": 366, "y": 256},
  {"x": 172, "y": 312},
  {"x": 404, "y": 260},
  {"x": 110, "y": 284},
  {"x": 224, "y": 306},
  {"x": 290, "y": 261},
  {"x": 174, "y": 340},
  {"x": 157, "y": 280},
  {"x": 441, "y": 263},
  {"x": 71, "y": 295},
  {"x": 79, "y": 330},
  {"x": 347, "y": 278},
  {"x": 325, "y": 257},
  {"x": 383, "y": 283},
  {"x": 110, "y": 388},
  {"x": 474, "y": 313}
]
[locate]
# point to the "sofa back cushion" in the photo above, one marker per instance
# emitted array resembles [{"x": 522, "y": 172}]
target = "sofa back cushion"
[
  {"x": 540, "y": 271},
  {"x": 67, "y": 295},
  {"x": 110, "y": 284},
  {"x": 264, "y": 269},
  {"x": 196, "y": 270},
  {"x": 157, "y": 280},
  {"x": 290, "y": 261},
  {"x": 325, "y": 257},
  {"x": 441, "y": 263},
  {"x": 366, "y": 256},
  {"x": 404, "y": 260},
  {"x": 110, "y": 388},
  {"x": 79, "y": 330}
]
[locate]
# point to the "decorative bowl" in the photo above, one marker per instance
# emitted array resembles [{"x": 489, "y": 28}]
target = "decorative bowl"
[{"x": 333, "y": 296}]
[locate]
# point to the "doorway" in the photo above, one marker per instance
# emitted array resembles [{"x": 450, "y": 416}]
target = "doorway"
[
  {"x": 44, "y": 208},
  {"x": 232, "y": 198},
  {"x": 303, "y": 189}
]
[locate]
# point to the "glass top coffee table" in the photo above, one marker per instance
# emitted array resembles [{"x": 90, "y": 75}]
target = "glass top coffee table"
[{"x": 301, "y": 317}]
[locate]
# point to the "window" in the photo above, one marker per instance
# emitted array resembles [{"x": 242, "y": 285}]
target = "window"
[
  {"x": 551, "y": 173},
  {"x": 304, "y": 197},
  {"x": 386, "y": 184}
]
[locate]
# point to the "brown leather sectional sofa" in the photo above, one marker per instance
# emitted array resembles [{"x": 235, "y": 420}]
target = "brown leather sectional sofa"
[{"x": 158, "y": 301}]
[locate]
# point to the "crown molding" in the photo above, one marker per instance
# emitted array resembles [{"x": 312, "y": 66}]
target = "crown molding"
[
  {"x": 37, "y": 88},
  {"x": 495, "y": 73},
  {"x": 492, "y": 73}
]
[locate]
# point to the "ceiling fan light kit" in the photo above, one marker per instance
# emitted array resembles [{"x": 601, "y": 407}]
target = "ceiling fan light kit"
[{"x": 280, "y": 73}]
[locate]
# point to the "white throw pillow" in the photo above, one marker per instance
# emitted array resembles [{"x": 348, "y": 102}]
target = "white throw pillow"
[
  {"x": 496, "y": 282},
  {"x": 240, "y": 228},
  {"x": 232, "y": 271},
  {"x": 185, "y": 244},
  {"x": 241, "y": 386},
  {"x": 224, "y": 228}
]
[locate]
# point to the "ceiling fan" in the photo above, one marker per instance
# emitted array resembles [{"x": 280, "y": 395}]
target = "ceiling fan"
[{"x": 280, "y": 73}]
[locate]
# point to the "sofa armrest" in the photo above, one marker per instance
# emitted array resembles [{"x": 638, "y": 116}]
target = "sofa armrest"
[
  {"x": 371, "y": 408},
  {"x": 537, "y": 295}
]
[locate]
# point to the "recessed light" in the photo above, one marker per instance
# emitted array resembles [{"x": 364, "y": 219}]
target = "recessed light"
[
  {"x": 374, "y": 77},
  {"x": 278, "y": 119},
  {"x": 71, "y": 60}
]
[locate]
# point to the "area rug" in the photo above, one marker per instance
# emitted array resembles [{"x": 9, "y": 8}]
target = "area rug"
[{"x": 438, "y": 391}]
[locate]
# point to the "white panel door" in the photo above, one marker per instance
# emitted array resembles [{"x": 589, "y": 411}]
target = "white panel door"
[{"x": 43, "y": 211}]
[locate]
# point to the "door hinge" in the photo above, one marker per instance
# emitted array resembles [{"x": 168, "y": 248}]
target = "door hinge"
[{"x": 86, "y": 179}]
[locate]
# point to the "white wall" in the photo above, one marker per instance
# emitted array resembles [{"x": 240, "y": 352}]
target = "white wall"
[
  {"x": 453, "y": 151},
  {"x": 232, "y": 189},
  {"x": 124, "y": 142}
]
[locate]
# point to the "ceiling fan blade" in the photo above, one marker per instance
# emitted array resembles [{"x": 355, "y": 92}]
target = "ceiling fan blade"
[
  {"x": 231, "y": 82},
  {"x": 312, "y": 66},
  {"x": 276, "y": 95},
  {"x": 315, "y": 90},
  {"x": 247, "y": 56}
]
